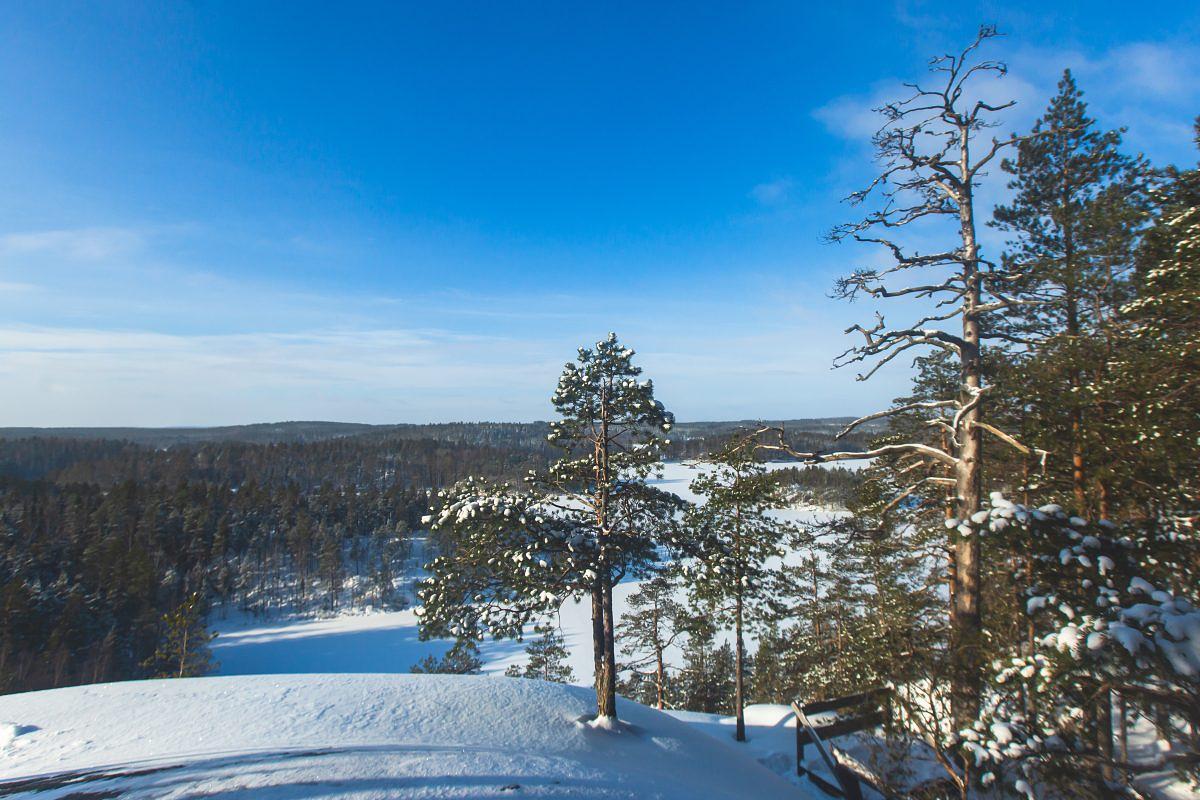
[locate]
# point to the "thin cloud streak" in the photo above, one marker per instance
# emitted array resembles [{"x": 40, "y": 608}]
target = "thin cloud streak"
[{"x": 82, "y": 244}]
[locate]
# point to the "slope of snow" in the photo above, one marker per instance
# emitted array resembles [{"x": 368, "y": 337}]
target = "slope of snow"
[
  {"x": 358, "y": 736},
  {"x": 770, "y": 736}
]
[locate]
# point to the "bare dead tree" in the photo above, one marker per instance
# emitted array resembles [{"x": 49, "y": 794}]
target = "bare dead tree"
[{"x": 930, "y": 172}]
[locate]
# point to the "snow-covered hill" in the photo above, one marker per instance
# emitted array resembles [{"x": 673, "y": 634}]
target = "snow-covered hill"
[{"x": 357, "y": 736}]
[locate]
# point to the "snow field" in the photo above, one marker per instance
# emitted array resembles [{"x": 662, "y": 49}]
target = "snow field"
[{"x": 361, "y": 736}]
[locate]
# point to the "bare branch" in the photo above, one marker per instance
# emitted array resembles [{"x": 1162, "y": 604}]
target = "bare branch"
[
  {"x": 893, "y": 411},
  {"x": 782, "y": 446}
]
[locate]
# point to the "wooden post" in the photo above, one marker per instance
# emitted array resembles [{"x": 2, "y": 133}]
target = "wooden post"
[
  {"x": 849, "y": 781},
  {"x": 799, "y": 740},
  {"x": 799, "y": 750}
]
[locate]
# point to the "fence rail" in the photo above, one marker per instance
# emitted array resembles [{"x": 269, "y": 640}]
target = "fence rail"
[{"x": 873, "y": 709}]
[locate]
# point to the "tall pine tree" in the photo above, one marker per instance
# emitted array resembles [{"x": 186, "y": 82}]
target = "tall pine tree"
[
  {"x": 1074, "y": 216},
  {"x": 579, "y": 529},
  {"x": 732, "y": 538}
]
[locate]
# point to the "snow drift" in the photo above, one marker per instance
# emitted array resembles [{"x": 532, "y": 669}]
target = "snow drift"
[{"x": 358, "y": 736}]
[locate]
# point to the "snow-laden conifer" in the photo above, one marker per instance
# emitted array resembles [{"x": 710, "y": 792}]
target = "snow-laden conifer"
[{"x": 517, "y": 553}]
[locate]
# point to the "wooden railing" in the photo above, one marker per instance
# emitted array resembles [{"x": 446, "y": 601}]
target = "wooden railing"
[{"x": 870, "y": 709}]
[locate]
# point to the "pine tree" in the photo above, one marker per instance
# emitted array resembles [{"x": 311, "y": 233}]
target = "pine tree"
[
  {"x": 182, "y": 650},
  {"x": 461, "y": 659},
  {"x": 547, "y": 658},
  {"x": 731, "y": 538},
  {"x": 654, "y": 622},
  {"x": 1076, "y": 209},
  {"x": 514, "y": 555}
]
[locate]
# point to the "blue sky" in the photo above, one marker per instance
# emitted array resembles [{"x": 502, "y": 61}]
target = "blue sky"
[{"x": 216, "y": 213}]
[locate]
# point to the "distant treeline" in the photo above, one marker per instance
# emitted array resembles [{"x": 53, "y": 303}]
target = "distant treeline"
[
  {"x": 689, "y": 439},
  {"x": 821, "y": 485},
  {"x": 360, "y": 461}
]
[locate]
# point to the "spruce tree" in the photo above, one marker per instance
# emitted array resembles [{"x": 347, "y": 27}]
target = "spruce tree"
[
  {"x": 1158, "y": 369},
  {"x": 706, "y": 682}
]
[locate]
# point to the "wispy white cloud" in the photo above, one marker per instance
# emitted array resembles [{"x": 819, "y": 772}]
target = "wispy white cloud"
[
  {"x": 83, "y": 244},
  {"x": 853, "y": 116},
  {"x": 90, "y": 376},
  {"x": 769, "y": 357},
  {"x": 773, "y": 193},
  {"x": 1155, "y": 69}
]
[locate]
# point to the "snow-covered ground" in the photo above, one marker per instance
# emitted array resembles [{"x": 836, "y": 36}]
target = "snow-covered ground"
[{"x": 358, "y": 736}]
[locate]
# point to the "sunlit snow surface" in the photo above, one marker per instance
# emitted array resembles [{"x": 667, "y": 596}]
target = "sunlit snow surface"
[{"x": 358, "y": 736}]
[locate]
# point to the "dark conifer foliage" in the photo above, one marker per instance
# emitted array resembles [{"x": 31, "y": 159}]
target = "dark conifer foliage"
[
  {"x": 183, "y": 651},
  {"x": 547, "y": 658},
  {"x": 461, "y": 659},
  {"x": 1077, "y": 208},
  {"x": 100, "y": 539}
]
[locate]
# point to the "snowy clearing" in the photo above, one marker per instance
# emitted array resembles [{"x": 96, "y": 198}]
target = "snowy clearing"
[{"x": 358, "y": 736}]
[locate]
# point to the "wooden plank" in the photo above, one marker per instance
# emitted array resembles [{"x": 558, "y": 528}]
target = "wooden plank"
[
  {"x": 803, "y": 724},
  {"x": 848, "y": 778},
  {"x": 819, "y": 706},
  {"x": 841, "y": 727},
  {"x": 831, "y": 789}
]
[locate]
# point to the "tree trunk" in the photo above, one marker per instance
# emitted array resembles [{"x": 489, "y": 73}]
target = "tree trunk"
[
  {"x": 606, "y": 700},
  {"x": 1104, "y": 732},
  {"x": 738, "y": 684},
  {"x": 1123, "y": 729},
  {"x": 1078, "y": 464},
  {"x": 599, "y": 652},
  {"x": 183, "y": 649},
  {"x": 965, "y": 613},
  {"x": 660, "y": 676},
  {"x": 1104, "y": 508},
  {"x": 603, "y": 636}
]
